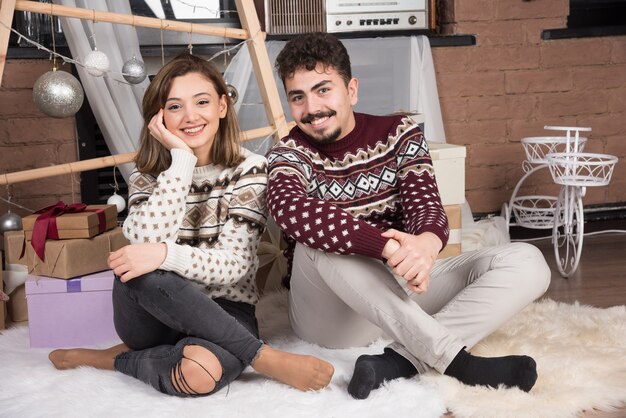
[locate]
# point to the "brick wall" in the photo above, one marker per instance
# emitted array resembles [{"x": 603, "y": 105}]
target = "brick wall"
[
  {"x": 30, "y": 139},
  {"x": 512, "y": 83}
]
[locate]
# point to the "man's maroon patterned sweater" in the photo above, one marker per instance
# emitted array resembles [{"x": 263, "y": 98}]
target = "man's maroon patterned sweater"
[{"x": 340, "y": 197}]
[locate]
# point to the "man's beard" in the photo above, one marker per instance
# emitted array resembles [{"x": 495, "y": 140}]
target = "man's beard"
[
  {"x": 328, "y": 139},
  {"x": 321, "y": 138}
]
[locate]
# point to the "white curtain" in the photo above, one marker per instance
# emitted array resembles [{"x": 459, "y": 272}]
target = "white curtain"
[
  {"x": 423, "y": 97},
  {"x": 115, "y": 104},
  {"x": 395, "y": 74}
]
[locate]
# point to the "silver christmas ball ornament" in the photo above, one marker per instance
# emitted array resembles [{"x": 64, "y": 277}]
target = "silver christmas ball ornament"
[
  {"x": 118, "y": 201},
  {"x": 10, "y": 222},
  {"x": 134, "y": 71},
  {"x": 232, "y": 93},
  {"x": 96, "y": 63},
  {"x": 58, "y": 94}
]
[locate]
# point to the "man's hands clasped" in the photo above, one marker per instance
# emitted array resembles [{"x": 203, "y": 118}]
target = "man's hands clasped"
[{"x": 412, "y": 256}]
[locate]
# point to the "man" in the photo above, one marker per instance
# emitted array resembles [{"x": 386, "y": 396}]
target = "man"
[{"x": 358, "y": 195}]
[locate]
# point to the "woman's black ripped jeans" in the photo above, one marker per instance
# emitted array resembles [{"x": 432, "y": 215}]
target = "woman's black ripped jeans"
[{"x": 159, "y": 314}]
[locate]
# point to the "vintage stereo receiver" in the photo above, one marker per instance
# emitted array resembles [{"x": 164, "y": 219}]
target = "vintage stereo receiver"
[{"x": 286, "y": 17}]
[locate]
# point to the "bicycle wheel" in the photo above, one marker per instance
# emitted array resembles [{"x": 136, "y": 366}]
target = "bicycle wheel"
[{"x": 568, "y": 229}]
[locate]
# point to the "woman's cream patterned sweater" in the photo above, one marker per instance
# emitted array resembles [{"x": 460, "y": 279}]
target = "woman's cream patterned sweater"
[{"x": 211, "y": 219}]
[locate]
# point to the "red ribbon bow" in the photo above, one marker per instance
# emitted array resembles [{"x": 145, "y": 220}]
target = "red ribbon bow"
[{"x": 46, "y": 224}]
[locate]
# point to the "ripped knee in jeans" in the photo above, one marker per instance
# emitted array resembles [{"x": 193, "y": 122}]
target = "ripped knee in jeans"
[{"x": 197, "y": 372}]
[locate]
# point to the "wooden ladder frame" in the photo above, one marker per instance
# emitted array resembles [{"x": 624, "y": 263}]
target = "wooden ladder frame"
[{"x": 251, "y": 31}]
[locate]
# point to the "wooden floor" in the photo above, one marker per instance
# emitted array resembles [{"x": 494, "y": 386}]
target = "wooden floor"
[{"x": 600, "y": 280}]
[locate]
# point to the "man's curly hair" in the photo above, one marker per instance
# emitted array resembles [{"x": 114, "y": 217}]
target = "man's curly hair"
[{"x": 307, "y": 50}]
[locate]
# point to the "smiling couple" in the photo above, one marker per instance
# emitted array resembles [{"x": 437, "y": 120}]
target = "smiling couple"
[{"x": 357, "y": 196}]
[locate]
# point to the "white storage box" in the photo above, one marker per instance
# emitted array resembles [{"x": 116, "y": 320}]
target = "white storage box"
[{"x": 449, "y": 163}]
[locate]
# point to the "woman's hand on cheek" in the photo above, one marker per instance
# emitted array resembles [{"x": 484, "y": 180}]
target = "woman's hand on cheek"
[
  {"x": 163, "y": 135},
  {"x": 137, "y": 259}
]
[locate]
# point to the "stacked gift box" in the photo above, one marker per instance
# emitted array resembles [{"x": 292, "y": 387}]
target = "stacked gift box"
[
  {"x": 70, "y": 313},
  {"x": 15, "y": 270},
  {"x": 66, "y": 296}
]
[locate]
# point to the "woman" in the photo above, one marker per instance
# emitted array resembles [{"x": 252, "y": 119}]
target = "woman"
[{"x": 184, "y": 291}]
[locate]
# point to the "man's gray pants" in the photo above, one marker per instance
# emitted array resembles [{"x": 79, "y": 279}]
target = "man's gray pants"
[{"x": 341, "y": 301}]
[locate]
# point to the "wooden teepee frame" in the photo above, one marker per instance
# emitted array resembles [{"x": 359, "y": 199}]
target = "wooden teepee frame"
[{"x": 251, "y": 30}]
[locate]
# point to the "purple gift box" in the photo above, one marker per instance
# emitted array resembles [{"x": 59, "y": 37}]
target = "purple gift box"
[{"x": 70, "y": 313}]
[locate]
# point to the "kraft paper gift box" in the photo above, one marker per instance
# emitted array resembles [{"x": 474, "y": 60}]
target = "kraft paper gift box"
[
  {"x": 69, "y": 258},
  {"x": 70, "y": 313},
  {"x": 16, "y": 305},
  {"x": 14, "y": 242},
  {"x": 14, "y": 260},
  {"x": 449, "y": 164},
  {"x": 72, "y": 221}
]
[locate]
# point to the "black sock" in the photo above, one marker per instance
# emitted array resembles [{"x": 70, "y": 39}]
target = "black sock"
[
  {"x": 518, "y": 371},
  {"x": 371, "y": 371}
]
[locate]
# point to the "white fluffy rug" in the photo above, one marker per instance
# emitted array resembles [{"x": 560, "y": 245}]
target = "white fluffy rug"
[
  {"x": 31, "y": 387},
  {"x": 581, "y": 359},
  {"x": 580, "y": 351}
]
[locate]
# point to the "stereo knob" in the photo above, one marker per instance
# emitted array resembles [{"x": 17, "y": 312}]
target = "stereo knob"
[
  {"x": 349, "y": 22},
  {"x": 412, "y": 20},
  {"x": 337, "y": 22}
]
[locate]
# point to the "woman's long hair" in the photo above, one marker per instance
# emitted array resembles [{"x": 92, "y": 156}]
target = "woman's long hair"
[{"x": 152, "y": 157}]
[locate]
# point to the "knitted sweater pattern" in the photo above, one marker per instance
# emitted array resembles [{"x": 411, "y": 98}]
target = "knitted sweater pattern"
[
  {"x": 211, "y": 218},
  {"x": 340, "y": 197}
]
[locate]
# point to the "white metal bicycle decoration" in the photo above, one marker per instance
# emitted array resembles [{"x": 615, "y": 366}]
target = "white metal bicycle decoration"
[{"x": 572, "y": 169}]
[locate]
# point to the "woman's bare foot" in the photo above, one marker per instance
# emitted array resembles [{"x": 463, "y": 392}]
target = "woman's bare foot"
[
  {"x": 299, "y": 371},
  {"x": 75, "y": 357}
]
